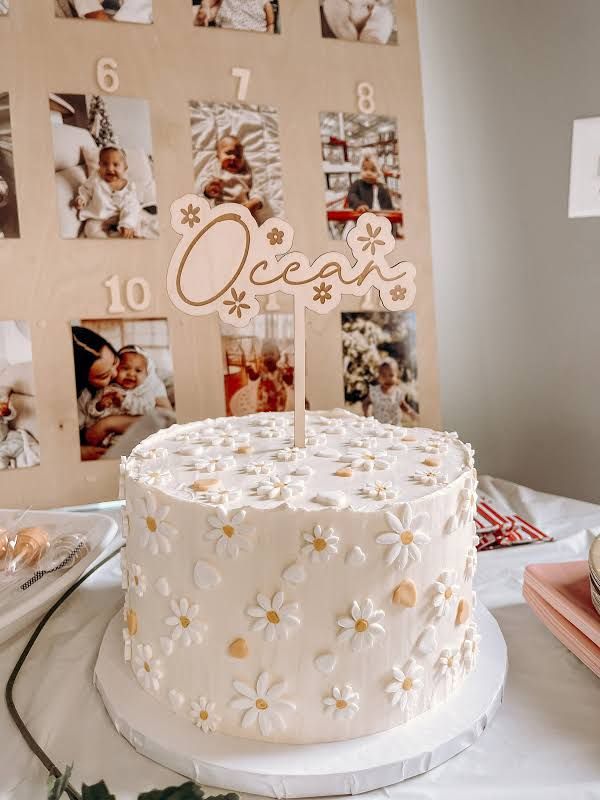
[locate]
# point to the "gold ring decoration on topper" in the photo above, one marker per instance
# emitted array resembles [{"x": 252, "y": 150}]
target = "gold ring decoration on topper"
[{"x": 225, "y": 260}]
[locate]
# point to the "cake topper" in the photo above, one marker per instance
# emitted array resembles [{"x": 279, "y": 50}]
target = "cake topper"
[{"x": 225, "y": 260}]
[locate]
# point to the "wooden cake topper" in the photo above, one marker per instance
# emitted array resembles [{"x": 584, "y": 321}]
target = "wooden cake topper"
[{"x": 225, "y": 260}]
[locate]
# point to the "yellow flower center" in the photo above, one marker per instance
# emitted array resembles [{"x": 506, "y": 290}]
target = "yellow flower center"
[
  {"x": 361, "y": 625},
  {"x": 406, "y": 537},
  {"x": 448, "y": 593},
  {"x": 369, "y": 457},
  {"x": 151, "y": 524},
  {"x": 407, "y": 684},
  {"x": 228, "y": 530},
  {"x": 184, "y": 621},
  {"x": 319, "y": 544},
  {"x": 146, "y": 666},
  {"x": 136, "y": 580},
  {"x": 341, "y": 704},
  {"x": 261, "y": 704},
  {"x": 273, "y": 617},
  {"x": 132, "y": 622},
  {"x": 450, "y": 660},
  {"x": 203, "y": 715}
]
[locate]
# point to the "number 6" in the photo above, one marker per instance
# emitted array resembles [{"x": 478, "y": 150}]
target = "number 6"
[
  {"x": 107, "y": 75},
  {"x": 365, "y": 95},
  {"x": 244, "y": 77}
]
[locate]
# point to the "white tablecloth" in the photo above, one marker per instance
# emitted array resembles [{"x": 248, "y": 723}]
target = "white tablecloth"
[{"x": 544, "y": 744}]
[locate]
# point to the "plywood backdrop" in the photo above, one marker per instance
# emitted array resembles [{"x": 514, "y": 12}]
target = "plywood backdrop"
[{"x": 49, "y": 281}]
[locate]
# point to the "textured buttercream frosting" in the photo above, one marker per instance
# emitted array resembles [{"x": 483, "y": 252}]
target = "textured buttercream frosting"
[{"x": 299, "y": 595}]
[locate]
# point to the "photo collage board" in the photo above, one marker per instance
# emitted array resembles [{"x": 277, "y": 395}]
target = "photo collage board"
[{"x": 97, "y": 143}]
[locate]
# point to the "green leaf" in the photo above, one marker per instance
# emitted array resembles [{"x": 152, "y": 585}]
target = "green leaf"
[
  {"x": 56, "y": 786},
  {"x": 187, "y": 791},
  {"x": 98, "y": 791}
]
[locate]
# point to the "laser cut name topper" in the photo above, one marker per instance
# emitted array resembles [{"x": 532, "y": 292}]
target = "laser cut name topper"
[{"x": 225, "y": 260}]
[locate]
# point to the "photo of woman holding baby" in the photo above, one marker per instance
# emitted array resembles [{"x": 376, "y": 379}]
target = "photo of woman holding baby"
[
  {"x": 236, "y": 156},
  {"x": 105, "y": 10},
  {"x": 9, "y": 217},
  {"x": 103, "y": 167},
  {"x": 124, "y": 390},
  {"x": 261, "y": 16}
]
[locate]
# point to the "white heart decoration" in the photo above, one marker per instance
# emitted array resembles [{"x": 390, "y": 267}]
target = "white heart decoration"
[
  {"x": 205, "y": 575},
  {"x": 355, "y": 556},
  {"x": 295, "y": 573},
  {"x": 166, "y": 645},
  {"x": 331, "y": 499},
  {"x": 327, "y": 452},
  {"x": 325, "y": 663},
  {"x": 176, "y": 699},
  {"x": 427, "y": 640},
  {"x": 162, "y": 587}
]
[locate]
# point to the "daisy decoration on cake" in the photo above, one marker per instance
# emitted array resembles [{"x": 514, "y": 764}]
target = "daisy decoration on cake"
[
  {"x": 273, "y": 617},
  {"x": 147, "y": 669},
  {"x": 406, "y": 684},
  {"x": 445, "y": 593},
  {"x": 279, "y": 487},
  {"x": 380, "y": 490},
  {"x": 229, "y": 531},
  {"x": 449, "y": 663},
  {"x": 320, "y": 544},
  {"x": 470, "y": 648},
  {"x": 156, "y": 532},
  {"x": 263, "y": 705},
  {"x": 342, "y": 703},
  {"x": 405, "y": 536},
  {"x": 362, "y": 627},
  {"x": 137, "y": 579},
  {"x": 202, "y": 714},
  {"x": 368, "y": 460},
  {"x": 185, "y": 627}
]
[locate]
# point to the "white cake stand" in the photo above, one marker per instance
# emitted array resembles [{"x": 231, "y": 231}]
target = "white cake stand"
[{"x": 313, "y": 770}]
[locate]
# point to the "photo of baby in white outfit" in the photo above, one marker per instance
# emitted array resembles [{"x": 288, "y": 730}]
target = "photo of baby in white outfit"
[
  {"x": 105, "y": 10},
  {"x": 261, "y": 16},
  {"x": 236, "y": 156}
]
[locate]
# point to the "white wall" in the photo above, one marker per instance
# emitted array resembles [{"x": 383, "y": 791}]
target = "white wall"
[{"x": 517, "y": 283}]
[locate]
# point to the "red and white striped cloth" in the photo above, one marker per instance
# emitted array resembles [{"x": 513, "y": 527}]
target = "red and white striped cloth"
[{"x": 497, "y": 529}]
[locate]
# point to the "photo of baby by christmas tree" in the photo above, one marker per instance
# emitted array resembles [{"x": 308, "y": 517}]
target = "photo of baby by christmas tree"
[
  {"x": 361, "y": 168},
  {"x": 103, "y": 167},
  {"x": 9, "y": 217},
  {"x": 235, "y": 150},
  {"x": 258, "y": 364},
  {"x": 261, "y": 16},
  {"x": 380, "y": 365},
  {"x": 124, "y": 383},
  {"x": 105, "y": 10},
  {"x": 18, "y": 416}
]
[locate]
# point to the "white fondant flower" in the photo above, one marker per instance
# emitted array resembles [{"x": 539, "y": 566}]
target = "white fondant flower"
[
  {"x": 469, "y": 456},
  {"x": 342, "y": 703},
  {"x": 449, "y": 663},
  {"x": 155, "y": 477},
  {"x": 365, "y": 443},
  {"x": 271, "y": 433},
  {"x": 215, "y": 464},
  {"x": 263, "y": 704},
  {"x": 127, "y": 645},
  {"x": 273, "y": 617},
  {"x": 290, "y": 454},
  {"x": 446, "y": 436},
  {"x": 446, "y": 593},
  {"x": 202, "y": 713},
  {"x": 279, "y": 487},
  {"x": 470, "y": 648},
  {"x": 405, "y": 536},
  {"x": 259, "y": 468},
  {"x": 185, "y": 627},
  {"x": 156, "y": 531},
  {"x": 429, "y": 477},
  {"x": 224, "y": 496},
  {"x": 362, "y": 627},
  {"x": 320, "y": 544},
  {"x": 471, "y": 562},
  {"x": 406, "y": 684},
  {"x": 229, "y": 532},
  {"x": 315, "y": 439},
  {"x": 137, "y": 579},
  {"x": 435, "y": 446},
  {"x": 147, "y": 669},
  {"x": 467, "y": 501},
  {"x": 367, "y": 460},
  {"x": 397, "y": 444},
  {"x": 380, "y": 490}
]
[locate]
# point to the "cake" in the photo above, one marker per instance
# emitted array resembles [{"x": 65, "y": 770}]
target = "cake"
[{"x": 299, "y": 595}]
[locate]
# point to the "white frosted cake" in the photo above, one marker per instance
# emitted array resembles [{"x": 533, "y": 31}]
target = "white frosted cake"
[{"x": 299, "y": 595}]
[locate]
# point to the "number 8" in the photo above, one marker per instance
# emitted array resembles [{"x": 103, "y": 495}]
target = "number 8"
[
  {"x": 107, "y": 75},
  {"x": 365, "y": 95}
]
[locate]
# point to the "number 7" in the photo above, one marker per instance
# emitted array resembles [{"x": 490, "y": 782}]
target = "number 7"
[{"x": 243, "y": 75}]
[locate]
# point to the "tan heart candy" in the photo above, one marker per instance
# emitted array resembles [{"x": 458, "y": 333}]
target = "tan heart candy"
[
  {"x": 132, "y": 622},
  {"x": 344, "y": 472},
  {"x": 405, "y": 594},
  {"x": 463, "y": 611},
  {"x": 238, "y": 649},
  {"x": 409, "y": 438},
  {"x": 431, "y": 462},
  {"x": 244, "y": 449},
  {"x": 206, "y": 485}
]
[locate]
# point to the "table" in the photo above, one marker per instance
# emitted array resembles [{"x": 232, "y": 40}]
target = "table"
[{"x": 544, "y": 744}]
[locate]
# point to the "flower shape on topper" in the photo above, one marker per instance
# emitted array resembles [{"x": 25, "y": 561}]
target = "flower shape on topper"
[{"x": 225, "y": 260}]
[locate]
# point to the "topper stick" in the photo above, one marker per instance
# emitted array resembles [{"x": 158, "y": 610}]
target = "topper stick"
[{"x": 299, "y": 373}]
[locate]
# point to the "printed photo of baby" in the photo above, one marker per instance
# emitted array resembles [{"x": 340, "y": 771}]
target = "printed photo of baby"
[
  {"x": 105, "y": 10},
  {"x": 361, "y": 169},
  {"x": 236, "y": 156},
  {"x": 103, "y": 166},
  {"x": 380, "y": 365},
  {"x": 19, "y": 445},
  {"x": 261, "y": 16},
  {"x": 9, "y": 216},
  {"x": 124, "y": 382},
  {"x": 368, "y": 21},
  {"x": 258, "y": 364}
]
